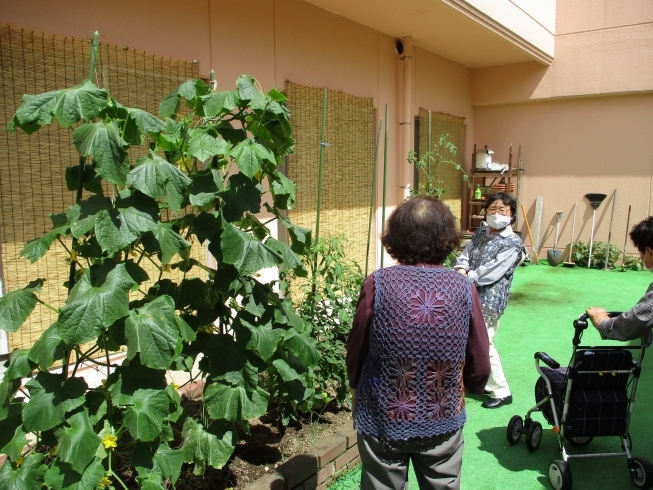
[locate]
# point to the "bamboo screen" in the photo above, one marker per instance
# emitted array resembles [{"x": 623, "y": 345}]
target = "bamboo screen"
[
  {"x": 451, "y": 178},
  {"x": 347, "y": 168},
  {"x": 32, "y": 168}
]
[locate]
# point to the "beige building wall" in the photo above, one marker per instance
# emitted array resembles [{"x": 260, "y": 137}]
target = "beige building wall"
[
  {"x": 274, "y": 41},
  {"x": 585, "y": 123}
]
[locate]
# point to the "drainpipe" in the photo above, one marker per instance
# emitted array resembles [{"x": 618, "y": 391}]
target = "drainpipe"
[{"x": 406, "y": 122}]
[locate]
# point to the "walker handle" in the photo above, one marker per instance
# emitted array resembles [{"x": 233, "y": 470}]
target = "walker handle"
[
  {"x": 546, "y": 359},
  {"x": 580, "y": 324}
]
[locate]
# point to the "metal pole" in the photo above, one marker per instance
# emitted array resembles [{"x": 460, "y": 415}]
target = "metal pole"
[
  {"x": 369, "y": 224},
  {"x": 321, "y": 168},
  {"x": 385, "y": 175},
  {"x": 623, "y": 259},
  {"x": 589, "y": 260},
  {"x": 607, "y": 253},
  {"x": 428, "y": 161}
]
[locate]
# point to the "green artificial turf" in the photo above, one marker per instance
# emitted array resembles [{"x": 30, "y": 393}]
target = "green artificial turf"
[{"x": 544, "y": 301}]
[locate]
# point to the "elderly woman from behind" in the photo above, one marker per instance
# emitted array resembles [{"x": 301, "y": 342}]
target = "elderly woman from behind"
[{"x": 418, "y": 341}]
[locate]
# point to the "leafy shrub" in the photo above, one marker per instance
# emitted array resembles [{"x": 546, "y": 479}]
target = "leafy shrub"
[
  {"x": 328, "y": 303},
  {"x": 599, "y": 251},
  {"x": 206, "y": 171},
  {"x": 633, "y": 263}
]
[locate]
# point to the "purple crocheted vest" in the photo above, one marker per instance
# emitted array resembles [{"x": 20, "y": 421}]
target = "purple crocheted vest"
[{"x": 411, "y": 385}]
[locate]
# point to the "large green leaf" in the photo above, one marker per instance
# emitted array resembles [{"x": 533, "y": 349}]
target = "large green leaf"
[
  {"x": 103, "y": 142},
  {"x": 7, "y": 390},
  {"x": 98, "y": 299},
  {"x": 50, "y": 398},
  {"x": 90, "y": 181},
  {"x": 300, "y": 238},
  {"x": 153, "y": 332},
  {"x": 140, "y": 123},
  {"x": 14, "y": 448},
  {"x": 245, "y": 253},
  {"x": 116, "y": 229},
  {"x": 170, "y": 242},
  {"x": 10, "y": 423},
  {"x": 228, "y": 363},
  {"x": 204, "y": 146},
  {"x": 17, "y": 306},
  {"x": 27, "y": 476},
  {"x": 48, "y": 348},
  {"x": 290, "y": 258},
  {"x": 35, "y": 249},
  {"x": 249, "y": 156},
  {"x": 78, "y": 442},
  {"x": 283, "y": 192},
  {"x": 205, "y": 187},
  {"x": 19, "y": 365},
  {"x": 188, "y": 90},
  {"x": 207, "y": 448},
  {"x": 247, "y": 90},
  {"x": 243, "y": 194},
  {"x": 84, "y": 101},
  {"x": 301, "y": 346},
  {"x": 286, "y": 372},
  {"x": 145, "y": 413},
  {"x": 156, "y": 177},
  {"x": 82, "y": 216},
  {"x": 150, "y": 458},
  {"x": 234, "y": 403},
  {"x": 62, "y": 476},
  {"x": 262, "y": 340},
  {"x": 220, "y": 102}
]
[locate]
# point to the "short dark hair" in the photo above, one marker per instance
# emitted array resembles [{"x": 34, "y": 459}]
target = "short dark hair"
[
  {"x": 506, "y": 199},
  {"x": 642, "y": 234},
  {"x": 421, "y": 229}
]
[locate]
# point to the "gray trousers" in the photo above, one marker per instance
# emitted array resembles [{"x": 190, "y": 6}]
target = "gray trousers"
[{"x": 387, "y": 468}]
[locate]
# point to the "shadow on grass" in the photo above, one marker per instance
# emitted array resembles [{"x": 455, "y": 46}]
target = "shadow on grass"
[{"x": 516, "y": 458}]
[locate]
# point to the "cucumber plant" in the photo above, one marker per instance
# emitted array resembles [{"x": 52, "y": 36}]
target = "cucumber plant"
[{"x": 204, "y": 178}]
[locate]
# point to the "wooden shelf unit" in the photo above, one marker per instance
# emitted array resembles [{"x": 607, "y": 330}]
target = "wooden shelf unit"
[{"x": 486, "y": 178}]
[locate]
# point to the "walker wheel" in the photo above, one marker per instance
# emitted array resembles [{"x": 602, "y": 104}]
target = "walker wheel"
[
  {"x": 641, "y": 472},
  {"x": 515, "y": 427},
  {"x": 560, "y": 475},
  {"x": 533, "y": 436},
  {"x": 580, "y": 441}
]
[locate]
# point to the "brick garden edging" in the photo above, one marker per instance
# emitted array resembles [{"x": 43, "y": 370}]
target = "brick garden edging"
[{"x": 317, "y": 468}]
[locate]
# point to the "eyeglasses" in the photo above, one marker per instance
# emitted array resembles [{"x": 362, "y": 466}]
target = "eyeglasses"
[{"x": 498, "y": 210}]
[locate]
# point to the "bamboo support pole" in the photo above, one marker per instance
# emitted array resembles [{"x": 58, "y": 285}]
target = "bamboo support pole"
[
  {"x": 607, "y": 252},
  {"x": 320, "y": 171},
  {"x": 373, "y": 195},
  {"x": 385, "y": 175}
]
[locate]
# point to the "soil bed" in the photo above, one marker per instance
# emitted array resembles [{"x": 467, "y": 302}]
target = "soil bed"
[{"x": 266, "y": 447}]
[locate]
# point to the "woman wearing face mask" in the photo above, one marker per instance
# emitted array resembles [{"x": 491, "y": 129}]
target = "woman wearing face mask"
[
  {"x": 489, "y": 260},
  {"x": 638, "y": 321}
]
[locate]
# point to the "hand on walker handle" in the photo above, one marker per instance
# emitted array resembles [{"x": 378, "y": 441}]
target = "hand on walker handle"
[{"x": 596, "y": 314}]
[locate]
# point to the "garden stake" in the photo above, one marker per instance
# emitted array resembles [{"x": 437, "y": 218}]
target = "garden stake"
[
  {"x": 569, "y": 263},
  {"x": 319, "y": 181},
  {"x": 607, "y": 253},
  {"x": 623, "y": 258},
  {"x": 530, "y": 235},
  {"x": 595, "y": 201},
  {"x": 369, "y": 224},
  {"x": 80, "y": 193},
  {"x": 520, "y": 170},
  {"x": 428, "y": 163},
  {"x": 385, "y": 173}
]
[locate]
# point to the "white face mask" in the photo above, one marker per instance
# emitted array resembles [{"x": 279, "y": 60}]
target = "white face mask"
[{"x": 498, "y": 221}]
